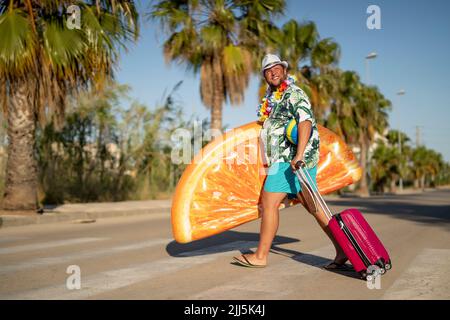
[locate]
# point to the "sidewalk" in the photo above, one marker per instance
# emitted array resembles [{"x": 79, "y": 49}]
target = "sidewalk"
[{"x": 88, "y": 212}]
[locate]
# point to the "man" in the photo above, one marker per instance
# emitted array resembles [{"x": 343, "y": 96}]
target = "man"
[{"x": 283, "y": 102}]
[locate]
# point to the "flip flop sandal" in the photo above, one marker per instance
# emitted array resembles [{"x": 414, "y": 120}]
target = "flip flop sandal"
[{"x": 247, "y": 263}]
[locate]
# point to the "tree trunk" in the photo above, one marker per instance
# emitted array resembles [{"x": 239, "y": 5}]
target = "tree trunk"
[
  {"x": 21, "y": 167},
  {"x": 422, "y": 182},
  {"x": 363, "y": 187},
  {"x": 393, "y": 186},
  {"x": 218, "y": 94},
  {"x": 216, "y": 117}
]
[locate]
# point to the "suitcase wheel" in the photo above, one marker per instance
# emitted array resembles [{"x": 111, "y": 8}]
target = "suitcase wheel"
[
  {"x": 380, "y": 263},
  {"x": 366, "y": 276},
  {"x": 388, "y": 265},
  {"x": 370, "y": 276}
]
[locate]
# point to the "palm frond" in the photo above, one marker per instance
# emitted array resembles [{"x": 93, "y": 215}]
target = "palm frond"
[{"x": 18, "y": 45}]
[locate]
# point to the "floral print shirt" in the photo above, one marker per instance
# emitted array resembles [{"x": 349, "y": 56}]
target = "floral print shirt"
[{"x": 293, "y": 104}]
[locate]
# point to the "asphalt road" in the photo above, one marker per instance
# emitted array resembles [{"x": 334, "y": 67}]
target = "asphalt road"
[{"x": 136, "y": 258}]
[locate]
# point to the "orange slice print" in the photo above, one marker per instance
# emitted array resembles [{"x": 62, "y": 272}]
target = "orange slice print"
[{"x": 221, "y": 188}]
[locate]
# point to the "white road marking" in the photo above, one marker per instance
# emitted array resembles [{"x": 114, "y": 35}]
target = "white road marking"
[
  {"x": 11, "y": 239},
  {"x": 115, "y": 279},
  {"x": 426, "y": 278},
  {"x": 46, "y": 245},
  {"x": 274, "y": 284},
  {"x": 43, "y": 262}
]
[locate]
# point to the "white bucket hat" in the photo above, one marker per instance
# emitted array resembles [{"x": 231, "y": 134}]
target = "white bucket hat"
[{"x": 271, "y": 60}]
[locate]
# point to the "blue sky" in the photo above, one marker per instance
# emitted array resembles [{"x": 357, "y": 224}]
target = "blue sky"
[{"x": 413, "y": 47}]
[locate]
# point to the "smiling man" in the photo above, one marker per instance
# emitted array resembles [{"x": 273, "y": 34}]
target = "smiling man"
[{"x": 283, "y": 102}]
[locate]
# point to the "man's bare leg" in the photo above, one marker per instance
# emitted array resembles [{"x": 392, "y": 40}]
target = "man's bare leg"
[
  {"x": 322, "y": 220},
  {"x": 269, "y": 226}
]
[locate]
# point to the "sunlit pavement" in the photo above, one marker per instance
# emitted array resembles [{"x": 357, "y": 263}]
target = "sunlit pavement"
[{"x": 135, "y": 257}]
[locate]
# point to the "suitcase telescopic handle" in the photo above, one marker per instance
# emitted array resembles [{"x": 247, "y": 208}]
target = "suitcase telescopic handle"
[{"x": 304, "y": 176}]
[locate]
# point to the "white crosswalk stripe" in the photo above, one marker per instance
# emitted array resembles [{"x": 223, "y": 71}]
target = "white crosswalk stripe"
[
  {"x": 11, "y": 239},
  {"x": 426, "y": 277},
  {"x": 43, "y": 262},
  {"x": 115, "y": 279},
  {"x": 47, "y": 245},
  {"x": 417, "y": 282},
  {"x": 273, "y": 286}
]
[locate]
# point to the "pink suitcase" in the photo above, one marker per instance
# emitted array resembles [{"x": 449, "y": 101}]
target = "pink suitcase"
[{"x": 355, "y": 236}]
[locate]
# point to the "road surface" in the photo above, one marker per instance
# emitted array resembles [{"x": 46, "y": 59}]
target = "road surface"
[{"x": 136, "y": 257}]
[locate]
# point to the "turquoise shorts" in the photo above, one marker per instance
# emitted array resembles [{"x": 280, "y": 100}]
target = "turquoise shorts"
[{"x": 281, "y": 178}]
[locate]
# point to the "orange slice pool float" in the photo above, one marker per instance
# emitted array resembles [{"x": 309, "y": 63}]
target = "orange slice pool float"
[{"x": 220, "y": 189}]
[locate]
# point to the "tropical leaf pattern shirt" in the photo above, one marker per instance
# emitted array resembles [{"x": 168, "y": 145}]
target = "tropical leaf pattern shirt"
[{"x": 293, "y": 104}]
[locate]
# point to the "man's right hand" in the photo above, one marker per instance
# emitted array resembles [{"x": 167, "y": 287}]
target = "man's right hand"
[{"x": 297, "y": 164}]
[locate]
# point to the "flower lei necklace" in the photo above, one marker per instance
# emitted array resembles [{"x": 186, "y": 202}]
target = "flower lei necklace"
[{"x": 271, "y": 98}]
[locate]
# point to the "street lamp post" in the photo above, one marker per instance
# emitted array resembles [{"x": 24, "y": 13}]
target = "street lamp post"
[
  {"x": 400, "y": 182},
  {"x": 372, "y": 55}
]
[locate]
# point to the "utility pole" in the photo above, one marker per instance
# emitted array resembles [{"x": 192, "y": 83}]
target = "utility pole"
[
  {"x": 400, "y": 181},
  {"x": 370, "y": 56},
  {"x": 417, "y": 136}
]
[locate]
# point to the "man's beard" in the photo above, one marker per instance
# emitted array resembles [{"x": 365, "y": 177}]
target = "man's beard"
[{"x": 273, "y": 87}]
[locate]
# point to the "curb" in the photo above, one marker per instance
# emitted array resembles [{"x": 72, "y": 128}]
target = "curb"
[{"x": 55, "y": 216}]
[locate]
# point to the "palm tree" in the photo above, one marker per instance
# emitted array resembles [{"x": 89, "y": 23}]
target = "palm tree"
[
  {"x": 321, "y": 73},
  {"x": 323, "y": 91},
  {"x": 42, "y": 62},
  {"x": 420, "y": 164},
  {"x": 343, "y": 92},
  {"x": 385, "y": 167},
  {"x": 426, "y": 162},
  {"x": 443, "y": 177},
  {"x": 394, "y": 136},
  {"x": 296, "y": 42},
  {"x": 357, "y": 113},
  {"x": 221, "y": 40},
  {"x": 371, "y": 118},
  {"x": 256, "y": 27}
]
